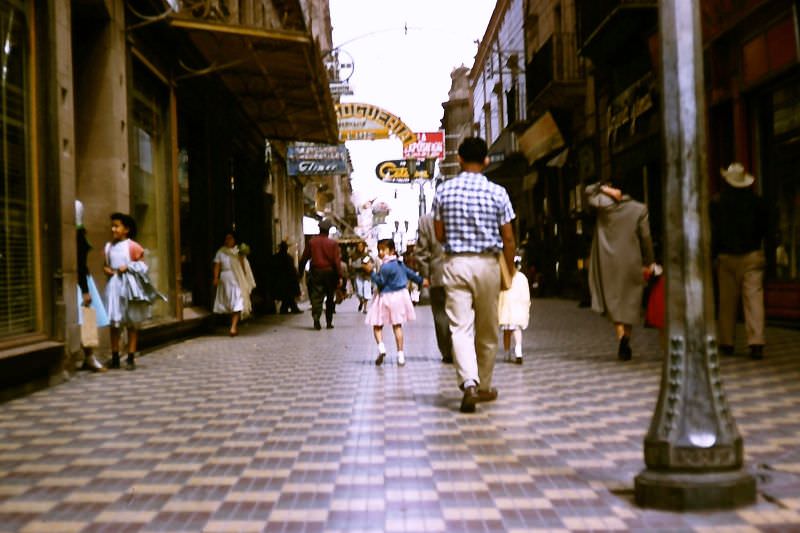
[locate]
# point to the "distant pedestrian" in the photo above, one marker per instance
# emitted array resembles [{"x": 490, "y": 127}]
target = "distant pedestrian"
[
  {"x": 393, "y": 304},
  {"x": 286, "y": 283},
  {"x": 88, "y": 295},
  {"x": 472, "y": 217},
  {"x": 621, "y": 259},
  {"x": 514, "y": 310},
  {"x": 362, "y": 281},
  {"x": 342, "y": 293},
  {"x": 234, "y": 281},
  {"x": 739, "y": 223},
  {"x": 129, "y": 292},
  {"x": 430, "y": 256},
  {"x": 325, "y": 274}
]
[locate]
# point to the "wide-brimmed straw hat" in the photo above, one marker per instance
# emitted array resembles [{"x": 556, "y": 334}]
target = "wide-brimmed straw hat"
[{"x": 736, "y": 176}]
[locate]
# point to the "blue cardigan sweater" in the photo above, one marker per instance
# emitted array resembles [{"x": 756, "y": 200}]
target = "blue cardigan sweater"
[{"x": 394, "y": 276}]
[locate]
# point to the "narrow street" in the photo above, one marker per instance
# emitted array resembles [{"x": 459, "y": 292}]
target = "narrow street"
[{"x": 287, "y": 429}]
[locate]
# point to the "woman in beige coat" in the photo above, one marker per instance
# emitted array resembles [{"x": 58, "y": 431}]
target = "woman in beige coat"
[{"x": 621, "y": 258}]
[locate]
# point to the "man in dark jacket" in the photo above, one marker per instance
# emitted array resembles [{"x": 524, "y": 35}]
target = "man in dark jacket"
[
  {"x": 739, "y": 224},
  {"x": 325, "y": 273},
  {"x": 430, "y": 254},
  {"x": 286, "y": 286}
]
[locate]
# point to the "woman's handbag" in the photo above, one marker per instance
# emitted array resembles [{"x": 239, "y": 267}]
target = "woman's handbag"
[{"x": 89, "y": 336}]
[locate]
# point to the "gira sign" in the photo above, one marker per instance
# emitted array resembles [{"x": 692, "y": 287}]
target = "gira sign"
[{"x": 396, "y": 171}]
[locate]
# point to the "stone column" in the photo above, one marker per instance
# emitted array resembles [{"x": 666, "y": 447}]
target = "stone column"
[{"x": 693, "y": 450}]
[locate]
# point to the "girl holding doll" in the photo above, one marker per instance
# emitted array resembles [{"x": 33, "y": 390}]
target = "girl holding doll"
[{"x": 129, "y": 292}]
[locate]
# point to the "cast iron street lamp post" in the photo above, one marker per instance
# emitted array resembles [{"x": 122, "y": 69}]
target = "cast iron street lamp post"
[
  {"x": 693, "y": 450},
  {"x": 411, "y": 166}
]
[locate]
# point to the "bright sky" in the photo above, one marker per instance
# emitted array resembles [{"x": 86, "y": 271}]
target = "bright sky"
[{"x": 406, "y": 72}]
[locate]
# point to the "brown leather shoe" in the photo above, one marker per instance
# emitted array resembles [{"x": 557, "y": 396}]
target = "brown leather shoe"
[
  {"x": 487, "y": 395},
  {"x": 469, "y": 400}
]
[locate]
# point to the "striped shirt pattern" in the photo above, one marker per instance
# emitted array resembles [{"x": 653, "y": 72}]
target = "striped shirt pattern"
[{"x": 472, "y": 209}]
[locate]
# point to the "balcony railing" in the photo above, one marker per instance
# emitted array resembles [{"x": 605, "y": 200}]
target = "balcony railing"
[
  {"x": 262, "y": 14},
  {"x": 593, "y": 13},
  {"x": 556, "y": 61}
]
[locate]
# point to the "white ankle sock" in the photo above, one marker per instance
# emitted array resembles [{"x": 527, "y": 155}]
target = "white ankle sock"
[{"x": 381, "y": 348}]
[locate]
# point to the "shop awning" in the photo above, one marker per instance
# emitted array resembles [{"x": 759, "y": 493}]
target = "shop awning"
[
  {"x": 277, "y": 75},
  {"x": 541, "y": 139}
]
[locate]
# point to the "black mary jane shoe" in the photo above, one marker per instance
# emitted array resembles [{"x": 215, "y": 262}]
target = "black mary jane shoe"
[{"x": 624, "y": 352}]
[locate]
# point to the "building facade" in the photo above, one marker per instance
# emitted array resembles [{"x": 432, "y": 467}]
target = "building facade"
[
  {"x": 753, "y": 98},
  {"x": 456, "y": 120},
  {"x": 497, "y": 84},
  {"x": 592, "y": 111},
  {"x": 177, "y": 114},
  {"x": 559, "y": 146}
]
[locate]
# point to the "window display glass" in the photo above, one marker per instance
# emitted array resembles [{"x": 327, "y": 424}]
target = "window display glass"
[
  {"x": 18, "y": 302},
  {"x": 150, "y": 184}
]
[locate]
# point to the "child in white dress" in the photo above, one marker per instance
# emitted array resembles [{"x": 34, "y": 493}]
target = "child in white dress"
[
  {"x": 123, "y": 312},
  {"x": 514, "y": 313}
]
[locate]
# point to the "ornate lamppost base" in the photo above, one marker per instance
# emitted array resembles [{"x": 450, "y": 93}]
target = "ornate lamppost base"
[{"x": 680, "y": 491}]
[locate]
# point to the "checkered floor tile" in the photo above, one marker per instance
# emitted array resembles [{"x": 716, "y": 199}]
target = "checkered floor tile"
[{"x": 287, "y": 429}]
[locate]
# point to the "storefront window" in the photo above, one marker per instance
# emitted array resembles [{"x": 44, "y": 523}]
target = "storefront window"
[
  {"x": 786, "y": 165},
  {"x": 150, "y": 184},
  {"x": 17, "y": 281},
  {"x": 187, "y": 297}
]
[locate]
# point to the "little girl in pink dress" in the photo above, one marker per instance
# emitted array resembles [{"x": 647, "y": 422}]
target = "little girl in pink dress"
[{"x": 393, "y": 303}]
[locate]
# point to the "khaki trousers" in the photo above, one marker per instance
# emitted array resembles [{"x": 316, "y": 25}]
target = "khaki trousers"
[
  {"x": 472, "y": 283},
  {"x": 741, "y": 276}
]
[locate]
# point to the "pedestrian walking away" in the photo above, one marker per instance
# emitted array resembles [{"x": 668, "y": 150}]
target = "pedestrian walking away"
[
  {"x": 430, "y": 255},
  {"x": 621, "y": 260},
  {"x": 393, "y": 304},
  {"x": 514, "y": 310},
  {"x": 738, "y": 226},
  {"x": 472, "y": 218},
  {"x": 234, "y": 281},
  {"x": 88, "y": 295},
  {"x": 286, "y": 285},
  {"x": 362, "y": 280},
  {"x": 129, "y": 291},
  {"x": 324, "y": 275}
]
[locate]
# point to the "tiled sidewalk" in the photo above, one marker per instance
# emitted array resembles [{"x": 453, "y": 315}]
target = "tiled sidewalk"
[{"x": 285, "y": 429}]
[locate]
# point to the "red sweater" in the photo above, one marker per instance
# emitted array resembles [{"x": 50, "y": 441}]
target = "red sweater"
[{"x": 323, "y": 253}]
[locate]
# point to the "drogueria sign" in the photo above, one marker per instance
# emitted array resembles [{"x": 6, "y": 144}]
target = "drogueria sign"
[{"x": 366, "y": 122}]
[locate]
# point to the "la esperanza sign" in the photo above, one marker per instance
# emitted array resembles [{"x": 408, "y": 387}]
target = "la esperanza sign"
[{"x": 428, "y": 144}]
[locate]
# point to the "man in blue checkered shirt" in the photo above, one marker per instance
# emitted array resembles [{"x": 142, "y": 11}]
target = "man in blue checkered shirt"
[{"x": 472, "y": 218}]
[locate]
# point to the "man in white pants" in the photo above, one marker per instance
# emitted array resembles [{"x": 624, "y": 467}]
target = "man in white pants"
[{"x": 472, "y": 218}]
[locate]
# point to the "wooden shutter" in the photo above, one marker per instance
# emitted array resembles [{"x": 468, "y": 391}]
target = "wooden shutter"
[{"x": 17, "y": 290}]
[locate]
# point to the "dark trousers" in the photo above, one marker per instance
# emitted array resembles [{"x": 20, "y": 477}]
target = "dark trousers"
[
  {"x": 441, "y": 322},
  {"x": 322, "y": 285},
  {"x": 289, "y": 305}
]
